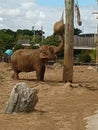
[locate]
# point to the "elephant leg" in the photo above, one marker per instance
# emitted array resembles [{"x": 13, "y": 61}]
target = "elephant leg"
[
  {"x": 40, "y": 73},
  {"x": 15, "y": 75}
]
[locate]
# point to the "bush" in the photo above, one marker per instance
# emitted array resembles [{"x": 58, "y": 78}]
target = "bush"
[
  {"x": 18, "y": 46},
  {"x": 85, "y": 58}
]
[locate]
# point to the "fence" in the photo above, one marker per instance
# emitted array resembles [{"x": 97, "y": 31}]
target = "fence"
[
  {"x": 5, "y": 59},
  {"x": 84, "y": 41}
]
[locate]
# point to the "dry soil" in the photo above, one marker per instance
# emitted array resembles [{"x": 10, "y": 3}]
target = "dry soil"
[{"x": 61, "y": 106}]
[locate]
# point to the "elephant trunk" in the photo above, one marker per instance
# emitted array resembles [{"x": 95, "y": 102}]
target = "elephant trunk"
[{"x": 61, "y": 45}]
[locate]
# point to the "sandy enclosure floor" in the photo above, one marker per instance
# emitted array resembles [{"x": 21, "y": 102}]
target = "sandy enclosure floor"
[{"x": 60, "y": 106}]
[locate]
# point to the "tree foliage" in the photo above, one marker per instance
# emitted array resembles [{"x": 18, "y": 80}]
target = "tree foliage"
[
  {"x": 51, "y": 40},
  {"x": 87, "y": 56},
  {"x": 18, "y": 46},
  {"x": 84, "y": 57},
  {"x": 7, "y": 40},
  {"x": 77, "y": 31},
  {"x": 12, "y": 39}
]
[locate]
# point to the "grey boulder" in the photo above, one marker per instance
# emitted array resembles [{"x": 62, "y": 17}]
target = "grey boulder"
[{"x": 22, "y": 99}]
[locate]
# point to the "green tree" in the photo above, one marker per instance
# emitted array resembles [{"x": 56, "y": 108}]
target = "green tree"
[
  {"x": 24, "y": 32},
  {"x": 18, "y": 46},
  {"x": 35, "y": 41},
  {"x": 77, "y": 31},
  {"x": 51, "y": 40},
  {"x": 85, "y": 57},
  {"x": 6, "y": 41},
  {"x": 29, "y": 32}
]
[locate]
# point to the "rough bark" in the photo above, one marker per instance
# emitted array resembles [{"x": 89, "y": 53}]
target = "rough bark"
[{"x": 69, "y": 36}]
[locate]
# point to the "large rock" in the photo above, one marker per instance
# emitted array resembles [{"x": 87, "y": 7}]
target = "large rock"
[{"x": 22, "y": 99}]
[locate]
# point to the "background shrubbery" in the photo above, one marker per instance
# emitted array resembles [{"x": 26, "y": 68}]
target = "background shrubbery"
[{"x": 13, "y": 40}]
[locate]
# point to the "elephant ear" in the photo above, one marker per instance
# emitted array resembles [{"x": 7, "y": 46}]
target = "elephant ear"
[{"x": 46, "y": 51}]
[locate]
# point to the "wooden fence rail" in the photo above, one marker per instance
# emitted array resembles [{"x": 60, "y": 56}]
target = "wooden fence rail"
[{"x": 84, "y": 41}]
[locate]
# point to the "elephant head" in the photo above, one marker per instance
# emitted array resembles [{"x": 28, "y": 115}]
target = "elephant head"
[{"x": 49, "y": 52}]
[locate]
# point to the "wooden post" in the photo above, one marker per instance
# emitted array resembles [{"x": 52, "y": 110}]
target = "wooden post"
[
  {"x": 97, "y": 49},
  {"x": 96, "y": 42},
  {"x": 69, "y": 38}
]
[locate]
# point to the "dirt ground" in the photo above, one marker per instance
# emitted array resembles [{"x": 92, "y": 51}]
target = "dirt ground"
[{"x": 61, "y": 106}]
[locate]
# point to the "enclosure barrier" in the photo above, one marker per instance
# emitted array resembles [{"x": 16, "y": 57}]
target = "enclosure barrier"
[
  {"x": 5, "y": 59},
  {"x": 50, "y": 62}
]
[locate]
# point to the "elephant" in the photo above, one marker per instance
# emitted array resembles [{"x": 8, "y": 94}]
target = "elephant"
[{"x": 27, "y": 60}]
